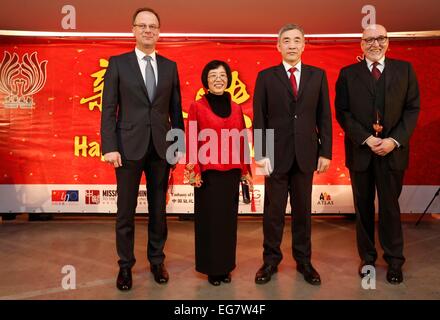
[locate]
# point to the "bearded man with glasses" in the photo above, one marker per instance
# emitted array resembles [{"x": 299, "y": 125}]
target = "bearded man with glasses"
[{"x": 377, "y": 105}]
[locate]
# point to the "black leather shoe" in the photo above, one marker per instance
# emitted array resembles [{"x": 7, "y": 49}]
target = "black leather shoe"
[
  {"x": 394, "y": 275},
  {"x": 215, "y": 280},
  {"x": 226, "y": 278},
  {"x": 362, "y": 265},
  {"x": 160, "y": 273},
  {"x": 124, "y": 281},
  {"x": 309, "y": 273},
  {"x": 264, "y": 274}
]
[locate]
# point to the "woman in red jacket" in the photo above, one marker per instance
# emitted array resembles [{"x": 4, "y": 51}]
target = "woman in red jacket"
[{"x": 217, "y": 159}]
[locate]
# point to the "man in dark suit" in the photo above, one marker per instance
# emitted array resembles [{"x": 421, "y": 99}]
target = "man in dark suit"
[
  {"x": 377, "y": 105},
  {"x": 292, "y": 100},
  {"x": 141, "y": 102}
]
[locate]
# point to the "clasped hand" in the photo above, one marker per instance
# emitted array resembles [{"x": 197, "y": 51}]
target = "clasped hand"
[{"x": 380, "y": 146}]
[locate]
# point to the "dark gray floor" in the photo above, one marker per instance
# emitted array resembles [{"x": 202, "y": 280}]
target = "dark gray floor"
[{"x": 32, "y": 255}]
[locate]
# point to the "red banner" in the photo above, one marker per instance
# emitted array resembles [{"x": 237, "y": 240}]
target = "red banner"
[{"x": 50, "y": 102}]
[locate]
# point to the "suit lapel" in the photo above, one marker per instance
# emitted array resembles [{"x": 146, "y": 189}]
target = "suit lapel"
[
  {"x": 304, "y": 78},
  {"x": 365, "y": 75},
  {"x": 161, "y": 72},
  {"x": 137, "y": 71},
  {"x": 281, "y": 74},
  {"x": 390, "y": 74}
]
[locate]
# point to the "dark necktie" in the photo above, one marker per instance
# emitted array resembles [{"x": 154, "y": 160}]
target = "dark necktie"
[
  {"x": 375, "y": 71},
  {"x": 150, "y": 79},
  {"x": 293, "y": 81}
]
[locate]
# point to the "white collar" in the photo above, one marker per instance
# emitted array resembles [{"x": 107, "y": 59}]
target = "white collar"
[
  {"x": 288, "y": 66},
  {"x": 381, "y": 62},
  {"x": 140, "y": 55}
]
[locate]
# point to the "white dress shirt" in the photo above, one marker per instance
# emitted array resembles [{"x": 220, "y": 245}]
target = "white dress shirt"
[
  {"x": 143, "y": 63},
  {"x": 380, "y": 66}
]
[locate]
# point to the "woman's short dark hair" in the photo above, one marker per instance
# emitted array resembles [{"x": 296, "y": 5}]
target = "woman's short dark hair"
[{"x": 214, "y": 64}]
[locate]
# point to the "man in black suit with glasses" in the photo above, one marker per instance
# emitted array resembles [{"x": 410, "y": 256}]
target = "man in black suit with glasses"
[
  {"x": 141, "y": 103},
  {"x": 377, "y": 105}
]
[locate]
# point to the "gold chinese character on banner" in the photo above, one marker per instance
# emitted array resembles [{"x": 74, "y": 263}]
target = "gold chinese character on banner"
[
  {"x": 237, "y": 89},
  {"x": 98, "y": 86}
]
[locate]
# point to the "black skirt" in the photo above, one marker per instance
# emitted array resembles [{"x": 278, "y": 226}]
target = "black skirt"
[{"x": 215, "y": 221}]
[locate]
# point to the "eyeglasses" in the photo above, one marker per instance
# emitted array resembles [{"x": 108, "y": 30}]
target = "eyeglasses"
[
  {"x": 144, "y": 27},
  {"x": 380, "y": 40},
  {"x": 213, "y": 77}
]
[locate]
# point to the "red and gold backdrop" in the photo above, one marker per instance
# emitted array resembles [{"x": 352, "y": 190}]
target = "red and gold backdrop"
[{"x": 50, "y": 105}]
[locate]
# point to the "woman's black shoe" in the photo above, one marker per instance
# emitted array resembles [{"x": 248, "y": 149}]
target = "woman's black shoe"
[
  {"x": 214, "y": 280},
  {"x": 226, "y": 278}
]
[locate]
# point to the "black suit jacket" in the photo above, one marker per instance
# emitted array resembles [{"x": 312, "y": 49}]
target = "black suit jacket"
[
  {"x": 355, "y": 111},
  {"x": 128, "y": 117},
  {"x": 302, "y": 127}
]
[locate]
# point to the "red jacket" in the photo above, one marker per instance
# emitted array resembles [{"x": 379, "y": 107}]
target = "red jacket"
[{"x": 207, "y": 154}]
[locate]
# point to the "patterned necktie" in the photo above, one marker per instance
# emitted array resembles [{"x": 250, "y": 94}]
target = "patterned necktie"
[
  {"x": 375, "y": 71},
  {"x": 293, "y": 81},
  {"x": 150, "y": 80}
]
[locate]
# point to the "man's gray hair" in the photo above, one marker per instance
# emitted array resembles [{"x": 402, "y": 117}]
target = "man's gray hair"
[{"x": 290, "y": 26}]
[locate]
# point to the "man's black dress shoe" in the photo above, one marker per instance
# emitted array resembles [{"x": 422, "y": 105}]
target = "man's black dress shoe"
[
  {"x": 160, "y": 273},
  {"x": 394, "y": 275},
  {"x": 215, "y": 280},
  {"x": 309, "y": 273},
  {"x": 364, "y": 263},
  {"x": 124, "y": 281},
  {"x": 264, "y": 274}
]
